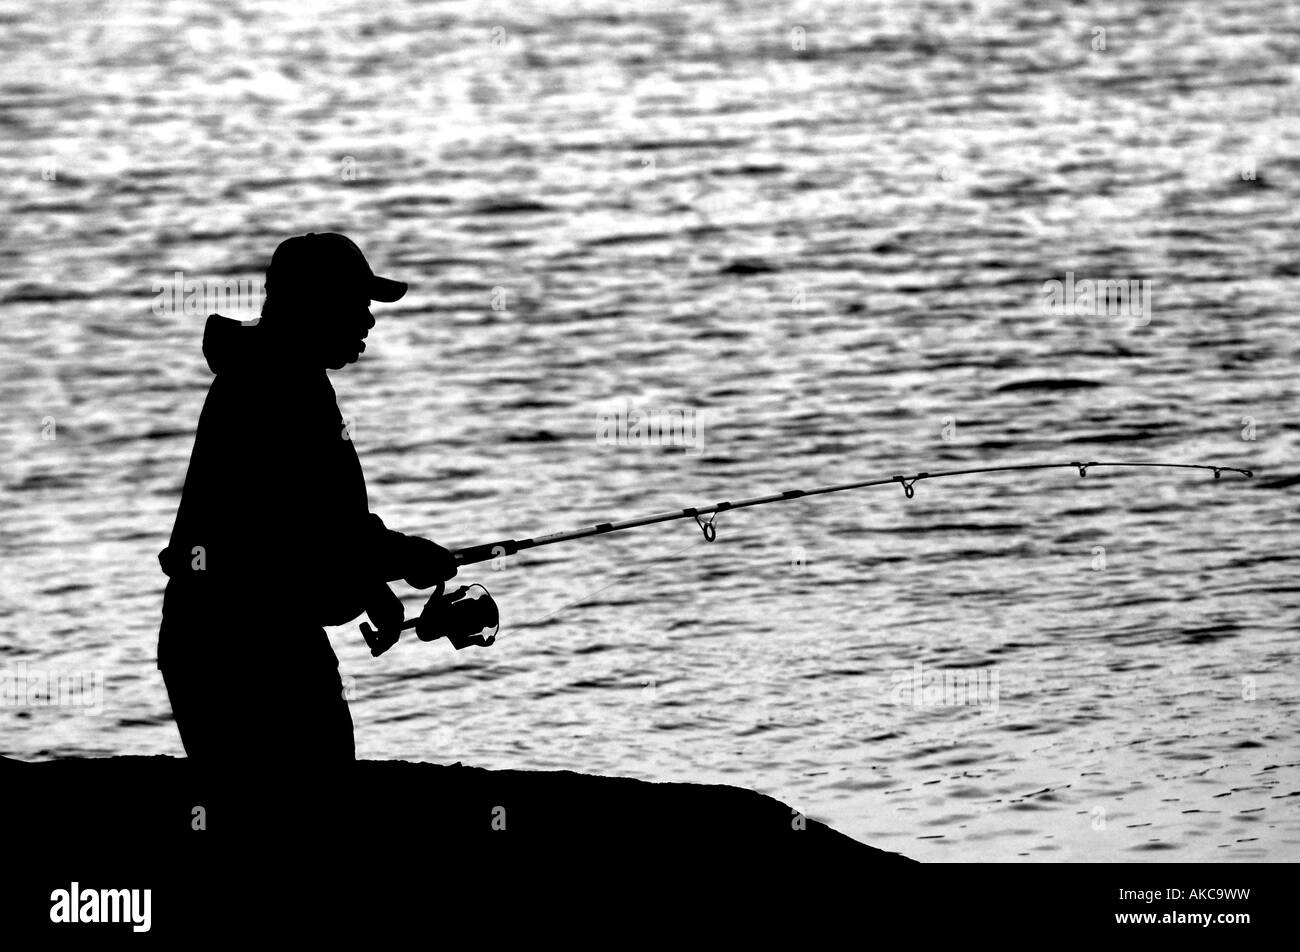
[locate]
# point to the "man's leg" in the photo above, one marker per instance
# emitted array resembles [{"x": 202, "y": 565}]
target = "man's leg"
[
  {"x": 313, "y": 722},
  {"x": 287, "y": 708}
]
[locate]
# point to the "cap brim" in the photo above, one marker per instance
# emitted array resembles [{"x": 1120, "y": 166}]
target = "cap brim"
[{"x": 386, "y": 289}]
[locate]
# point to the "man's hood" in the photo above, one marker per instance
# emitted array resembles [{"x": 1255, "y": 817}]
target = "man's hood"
[
  {"x": 236, "y": 348},
  {"x": 230, "y": 345}
]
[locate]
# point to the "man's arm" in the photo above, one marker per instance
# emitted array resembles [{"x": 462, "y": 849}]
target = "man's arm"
[{"x": 419, "y": 562}]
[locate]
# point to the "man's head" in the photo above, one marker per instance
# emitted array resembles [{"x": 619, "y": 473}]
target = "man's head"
[{"x": 318, "y": 290}]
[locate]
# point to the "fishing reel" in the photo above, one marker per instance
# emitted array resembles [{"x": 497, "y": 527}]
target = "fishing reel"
[{"x": 463, "y": 616}]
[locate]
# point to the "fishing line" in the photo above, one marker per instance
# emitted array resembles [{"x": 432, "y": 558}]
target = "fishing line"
[{"x": 583, "y": 598}]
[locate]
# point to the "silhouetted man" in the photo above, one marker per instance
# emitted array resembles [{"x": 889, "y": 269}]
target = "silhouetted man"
[{"x": 274, "y": 538}]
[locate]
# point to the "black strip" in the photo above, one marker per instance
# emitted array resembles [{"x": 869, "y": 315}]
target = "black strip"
[{"x": 604, "y": 527}]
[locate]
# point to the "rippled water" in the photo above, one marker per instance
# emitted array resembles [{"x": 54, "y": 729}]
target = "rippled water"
[{"x": 653, "y": 185}]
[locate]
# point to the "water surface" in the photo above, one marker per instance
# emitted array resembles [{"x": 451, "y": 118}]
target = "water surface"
[{"x": 653, "y": 185}]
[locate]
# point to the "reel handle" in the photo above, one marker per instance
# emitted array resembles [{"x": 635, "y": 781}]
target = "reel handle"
[{"x": 380, "y": 640}]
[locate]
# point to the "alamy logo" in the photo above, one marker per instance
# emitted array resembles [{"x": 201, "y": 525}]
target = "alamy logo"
[
  {"x": 22, "y": 686},
  {"x": 945, "y": 687},
  {"x": 234, "y": 297},
  {"x": 1086, "y": 297},
  {"x": 625, "y": 425},
  {"x": 75, "y": 905}
]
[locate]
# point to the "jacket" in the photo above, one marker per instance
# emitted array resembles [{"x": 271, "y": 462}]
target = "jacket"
[{"x": 274, "y": 524}]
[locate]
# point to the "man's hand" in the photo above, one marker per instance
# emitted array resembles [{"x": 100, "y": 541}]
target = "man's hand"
[
  {"x": 427, "y": 563},
  {"x": 384, "y": 608}
]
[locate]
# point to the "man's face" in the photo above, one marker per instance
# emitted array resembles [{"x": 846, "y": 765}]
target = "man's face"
[{"x": 342, "y": 325}]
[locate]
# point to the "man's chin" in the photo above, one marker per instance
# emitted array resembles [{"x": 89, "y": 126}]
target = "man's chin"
[{"x": 339, "y": 361}]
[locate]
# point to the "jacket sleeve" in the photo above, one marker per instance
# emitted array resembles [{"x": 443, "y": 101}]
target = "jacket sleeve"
[{"x": 388, "y": 549}]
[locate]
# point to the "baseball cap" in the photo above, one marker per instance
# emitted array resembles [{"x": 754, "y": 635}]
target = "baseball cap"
[{"x": 327, "y": 261}]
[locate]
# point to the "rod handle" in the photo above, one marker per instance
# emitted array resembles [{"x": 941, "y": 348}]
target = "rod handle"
[{"x": 485, "y": 552}]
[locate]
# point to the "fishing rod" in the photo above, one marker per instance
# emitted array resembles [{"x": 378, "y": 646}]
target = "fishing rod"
[{"x": 469, "y": 615}]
